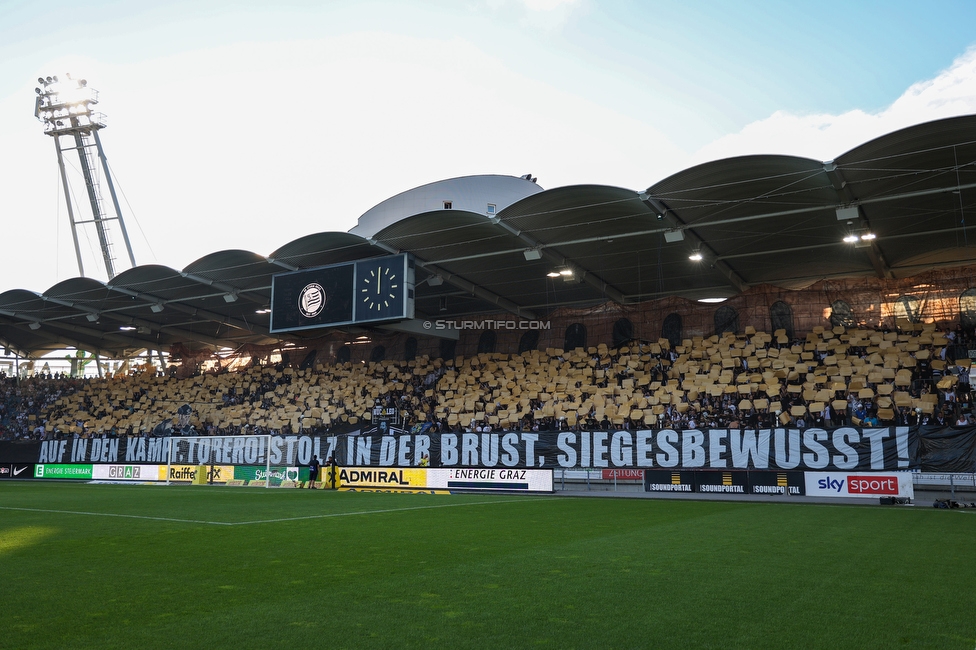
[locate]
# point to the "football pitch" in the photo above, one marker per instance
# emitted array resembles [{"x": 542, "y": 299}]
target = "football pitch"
[{"x": 128, "y": 566}]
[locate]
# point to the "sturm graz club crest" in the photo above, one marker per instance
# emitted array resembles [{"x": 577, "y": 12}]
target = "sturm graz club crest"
[{"x": 311, "y": 301}]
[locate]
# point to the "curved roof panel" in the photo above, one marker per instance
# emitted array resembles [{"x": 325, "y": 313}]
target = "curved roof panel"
[
  {"x": 322, "y": 249},
  {"x": 752, "y": 219},
  {"x": 467, "y": 193}
]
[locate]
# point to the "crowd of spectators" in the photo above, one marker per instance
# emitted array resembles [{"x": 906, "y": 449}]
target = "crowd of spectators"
[{"x": 831, "y": 377}]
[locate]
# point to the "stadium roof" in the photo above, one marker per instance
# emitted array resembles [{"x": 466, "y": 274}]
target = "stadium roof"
[{"x": 493, "y": 240}]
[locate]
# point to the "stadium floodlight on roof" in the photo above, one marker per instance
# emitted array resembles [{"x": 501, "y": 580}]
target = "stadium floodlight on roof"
[{"x": 66, "y": 108}]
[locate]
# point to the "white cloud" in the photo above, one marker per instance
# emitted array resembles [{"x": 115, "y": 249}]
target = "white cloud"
[
  {"x": 548, "y": 5},
  {"x": 825, "y": 136},
  {"x": 253, "y": 145},
  {"x": 541, "y": 14}
]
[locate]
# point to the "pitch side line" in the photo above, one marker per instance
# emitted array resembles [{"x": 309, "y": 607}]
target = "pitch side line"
[
  {"x": 370, "y": 512},
  {"x": 112, "y": 514},
  {"x": 259, "y": 521}
]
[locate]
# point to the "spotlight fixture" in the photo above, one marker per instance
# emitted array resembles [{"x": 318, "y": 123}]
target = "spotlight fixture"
[
  {"x": 672, "y": 236},
  {"x": 850, "y": 239},
  {"x": 695, "y": 257},
  {"x": 34, "y": 325},
  {"x": 532, "y": 254},
  {"x": 266, "y": 310},
  {"x": 566, "y": 272},
  {"x": 443, "y": 303},
  {"x": 92, "y": 318},
  {"x": 712, "y": 300},
  {"x": 156, "y": 307},
  {"x": 435, "y": 280},
  {"x": 127, "y": 328},
  {"x": 230, "y": 297},
  {"x": 552, "y": 274}
]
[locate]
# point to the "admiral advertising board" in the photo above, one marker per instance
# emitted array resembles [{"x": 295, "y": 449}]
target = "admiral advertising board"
[{"x": 455, "y": 479}]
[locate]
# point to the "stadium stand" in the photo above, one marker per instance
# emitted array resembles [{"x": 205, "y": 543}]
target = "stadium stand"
[
  {"x": 833, "y": 376},
  {"x": 847, "y": 286}
]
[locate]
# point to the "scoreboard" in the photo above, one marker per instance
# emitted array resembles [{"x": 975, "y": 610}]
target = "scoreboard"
[{"x": 380, "y": 289}]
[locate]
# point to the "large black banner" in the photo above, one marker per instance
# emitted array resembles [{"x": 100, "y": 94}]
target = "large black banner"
[{"x": 844, "y": 448}]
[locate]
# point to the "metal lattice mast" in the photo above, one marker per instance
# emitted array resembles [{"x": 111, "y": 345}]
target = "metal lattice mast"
[{"x": 65, "y": 109}]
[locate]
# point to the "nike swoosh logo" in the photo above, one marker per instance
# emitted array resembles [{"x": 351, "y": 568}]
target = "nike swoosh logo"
[{"x": 19, "y": 471}]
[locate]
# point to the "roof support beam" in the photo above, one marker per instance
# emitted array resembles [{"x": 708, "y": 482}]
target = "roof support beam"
[
  {"x": 128, "y": 320},
  {"x": 192, "y": 311},
  {"x": 844, "y": 193},
  {"x": 229, "y": 290},
  {"x": 662, "y": 208},
  {"x": 580, "y": 271},
  {"x": 461, "y": 283}
]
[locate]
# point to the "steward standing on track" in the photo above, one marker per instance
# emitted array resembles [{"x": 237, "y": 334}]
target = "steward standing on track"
[{"x": 313, "y": 471}]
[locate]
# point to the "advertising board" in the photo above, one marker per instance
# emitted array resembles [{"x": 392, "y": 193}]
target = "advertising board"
[
  {"x": 450, "y": 479},
  {"x": 870, "y": 485},
  {"x": 47, "y": 470},
  {"x": 125, "y": 472}
]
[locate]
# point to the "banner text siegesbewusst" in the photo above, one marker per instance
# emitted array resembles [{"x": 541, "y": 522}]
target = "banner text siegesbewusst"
[{"x": 843, "y": 448}]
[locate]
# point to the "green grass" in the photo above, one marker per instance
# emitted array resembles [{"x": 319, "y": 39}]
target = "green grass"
[{"x": 473, "y": 571}]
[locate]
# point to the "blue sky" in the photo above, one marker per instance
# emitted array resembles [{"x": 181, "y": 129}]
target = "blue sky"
[{"x": 247, "y": 124}]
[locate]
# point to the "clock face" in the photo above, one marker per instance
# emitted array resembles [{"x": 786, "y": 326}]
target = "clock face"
[{"x": 379, "y": 290}]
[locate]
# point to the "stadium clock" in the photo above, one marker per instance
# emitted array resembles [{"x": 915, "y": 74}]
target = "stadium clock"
[{"x": 380, "y": 290}]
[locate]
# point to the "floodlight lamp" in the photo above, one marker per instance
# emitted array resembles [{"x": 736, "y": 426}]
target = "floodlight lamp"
[
  {"x": 156, "y": 308},
  {"x": 92, "y": 318},
  {"x": 127, "y": 328},
  {"x": 552, "y": 274},
  {"x": 435, "y": 281},
  {"x": 672, "y": 236},
  {"x": 532, "y": 254},
  {"x": 868, "y": 236},
  {"x": 230, "y": 297},
  {"x": 34, "y": 325},
  {"x": 712, "y": 300},
  {"x": 850, "y": 239},
  {"x": 695, "y": 257}
]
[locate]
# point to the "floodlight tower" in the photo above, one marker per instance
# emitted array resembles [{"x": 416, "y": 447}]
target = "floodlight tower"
[{"x": 65, "y": 108}]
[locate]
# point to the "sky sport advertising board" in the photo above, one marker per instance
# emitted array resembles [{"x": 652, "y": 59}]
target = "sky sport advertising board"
[{"x": 865, "y": 485}]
